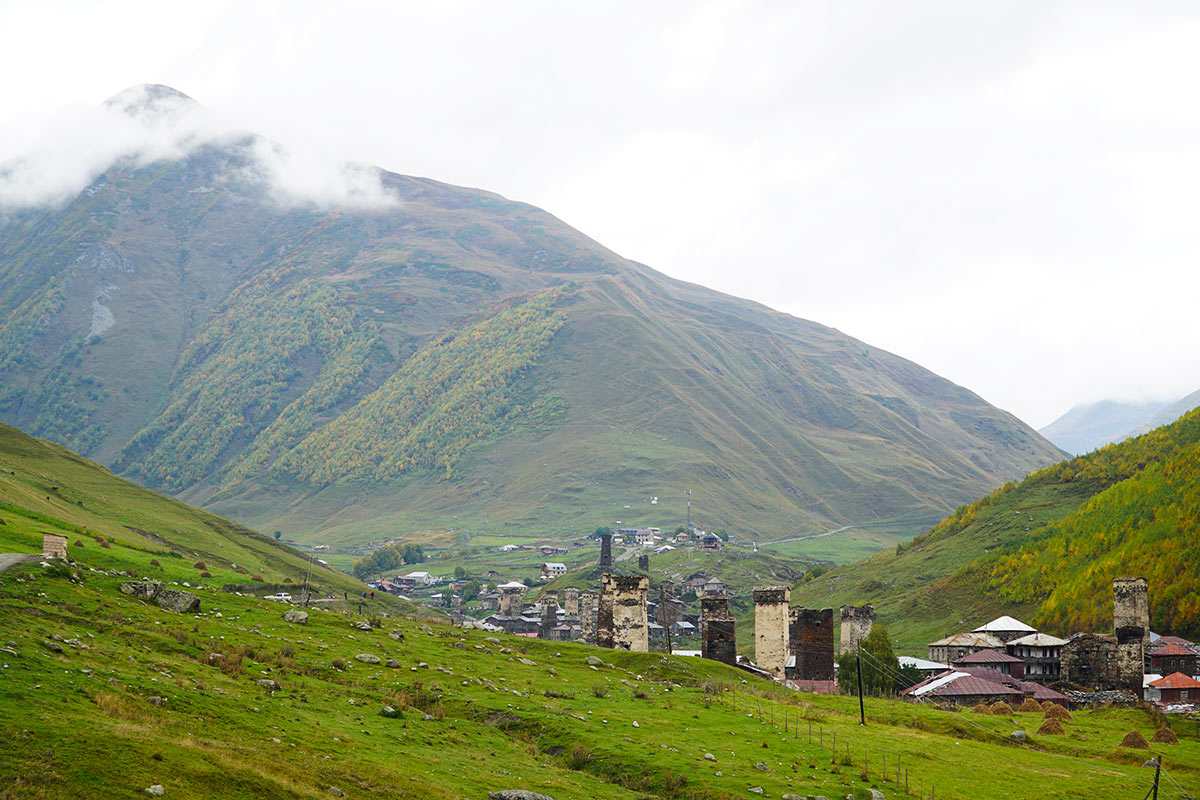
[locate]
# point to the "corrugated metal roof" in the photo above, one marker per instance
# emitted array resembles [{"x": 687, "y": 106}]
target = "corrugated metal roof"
[
  {"x": 989, "y": 657},
  {"x": 971, "y": 639},
  {"x": 966, "y": 684},
  {"x": 920, "y": 663},
  {"x": 1004, "y": 624},
  {"x": 1039, "y": 640},
  {"x": 1172, "y": 649},
  {"x": 1176, "y": 680}
]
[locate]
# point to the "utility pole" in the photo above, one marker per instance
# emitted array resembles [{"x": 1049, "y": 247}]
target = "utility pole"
[
  {"x": 1157, "y": 770},
  {"x": 862, "y": 716},
  {"x": 688, "y": 492},
  {"x": 308, "y": 575}
]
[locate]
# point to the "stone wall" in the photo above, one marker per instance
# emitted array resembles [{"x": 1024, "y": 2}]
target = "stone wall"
[
  {"x": 605, "y": 551},
  {"x": 718, "y": 639},
  {"x": 771, "y": 628},
  {"x": 622, "y": 622},
  {"x": 1131, "y": 627},
  {"x": 856, "y": 624},
  {"x": 54, "y": 546},
  {"x": 1090, "y": 660},
  {"x": 811, "y": 642}
]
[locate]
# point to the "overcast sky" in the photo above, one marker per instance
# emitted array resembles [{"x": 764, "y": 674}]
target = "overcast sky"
[{"x": 1005, "y": 193}]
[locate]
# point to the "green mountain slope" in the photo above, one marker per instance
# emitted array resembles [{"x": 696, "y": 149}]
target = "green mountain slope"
[
  {"x": 1046, "y": 549},
  {"x": 453, "y": 359},
  {"x": 114, "y": 524},
  {"x": 102, "y": 695}
]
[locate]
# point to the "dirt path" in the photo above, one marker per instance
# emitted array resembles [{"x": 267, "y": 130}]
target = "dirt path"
[{"x": 9, "y": 559}]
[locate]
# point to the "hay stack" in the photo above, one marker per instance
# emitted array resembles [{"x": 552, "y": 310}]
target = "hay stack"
[
  {"x": 1164, "y": 735},
  {"x": 1135, "y": 740},
  {"x": 981, "y": 708},
  {"x": 1030, "y": 705},
  {"x": 1001, "y": 709},
  {"x": 1056, "y": 711},
  {"x": 1051, "y": 727}
]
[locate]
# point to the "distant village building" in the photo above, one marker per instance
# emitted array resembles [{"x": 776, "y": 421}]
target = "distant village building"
[
  {"x": 996, "y": 660},
  {"x": 1176, "y": 688},
  {"x": 924, "y": 666},
  {"x": 955, "y": 647},
  {"x": 713, "y": 587},
  {"x": 968, "y": 686},
  {"x": 710, "y": 541},
  {"x": 552, "y": 569},
  {"x": 54, "y": 546},
  {"x": 1042, "y": 654},
  {"x": 1006, "y": 629},
  {"x": 415, "y": 580},
  {"x": 1172, "y": 654},
  {"x": 552, "y": 550}
]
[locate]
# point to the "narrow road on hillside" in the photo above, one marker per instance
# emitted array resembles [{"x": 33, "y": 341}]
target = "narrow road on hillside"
[
  {"x": 10, "y": 559},
  {"x": 842, "y": 529}
]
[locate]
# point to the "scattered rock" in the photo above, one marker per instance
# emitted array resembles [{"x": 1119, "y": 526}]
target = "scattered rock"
[
  {"x": 709, "y": 757},
  {"x": 392, "y": 663},
  {"x": 876, "y": 794},
  {"x": 761, "y": 767},
  {"x": 391, "y": 713},
  {"x": 1018, "y": 736},
  {"x": 755, "y": 790},
  {"x": 157, "y": 790},
  {"x": 368, "y": 658},
  {"x": 363, "y": 626},
  {"x": 142, "y": 590},
  {"x": 635, "y": 724},
  {"x": 398, "y": 635},
  {"x": 527, "y": 662},
  {"x": 157, "y": 701},
  {"x": 295, "y": 616},
  {"x": 52, "y": 646},
  {"x": 268, "y": 684},
  {"x": 177, "y": 601},
  {"x": 335, "y": 791},
  {"x": 517, "y": 794},
  {"x": 594, "y": 661},
  {"x": 491, "y": 639},
  {"x": 426, "y": 629}
]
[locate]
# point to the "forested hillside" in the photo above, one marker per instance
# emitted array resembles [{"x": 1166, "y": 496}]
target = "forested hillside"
[
  {"x": 451, "y": 358},
  {"x": 1046, "y": 549}
]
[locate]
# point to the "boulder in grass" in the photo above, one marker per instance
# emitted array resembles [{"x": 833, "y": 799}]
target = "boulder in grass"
[
  {"x": 1135, "y": 740},
  {"x": 517, "y": 794},
  {"x": 295, "y": 616},
  {"x": 142, "y": 590},
  {"x": 178, "y": 601},
  {"x": 368, "y": 658}
]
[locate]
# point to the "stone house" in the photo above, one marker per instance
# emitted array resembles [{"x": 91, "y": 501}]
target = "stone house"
[
  {"x": 955, "y": 647},
  {"x": 1090, "y": 660},
  {"x": 1172, "y": 656}
]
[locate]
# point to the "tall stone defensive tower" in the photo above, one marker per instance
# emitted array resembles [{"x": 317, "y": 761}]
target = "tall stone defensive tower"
[
  {"x": 511, "y": 600},
  {"x": 549, "y": 614},
  {"x": 811, "y": 642},
  {"x": 589, "y": 607},
  {"x": 622, "y": 622},
  {"x": 606, "y": 551},
  {"x": 570, "y": 601},
  {"x": 856, "y": 624},
  {"x": 771, "y": 628},
  {"x": 717, "y": 635},
  {"x": 1131, "y": 626}
]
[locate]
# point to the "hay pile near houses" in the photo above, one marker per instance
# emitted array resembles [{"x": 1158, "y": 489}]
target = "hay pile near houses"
[{"x": 1135, "y": 740}]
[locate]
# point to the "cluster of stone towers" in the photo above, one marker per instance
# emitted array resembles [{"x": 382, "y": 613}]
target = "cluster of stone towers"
[{"x": 798, "y": 642}]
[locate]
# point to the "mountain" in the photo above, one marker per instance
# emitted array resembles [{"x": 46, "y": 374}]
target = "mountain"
[
  {"x": 1167, "y": 415},
  {"x": 1046, "y": 550},
  {"x": 411, "y": 355},
  {"x": 1090, "y": 425},
  {"x": 112, "y": 523}
]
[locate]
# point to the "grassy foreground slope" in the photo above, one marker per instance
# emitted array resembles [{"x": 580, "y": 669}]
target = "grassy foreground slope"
[
  {"x": 46, "y": 488},
  {"x": 139, "y": 696},
  {"x": 1047, "y": 549}
]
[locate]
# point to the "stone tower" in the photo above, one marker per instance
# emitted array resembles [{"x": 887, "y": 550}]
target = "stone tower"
[
  {"x": 1131, "y": 626},
  {"x": 549, "y": 614},
  {"x": 856, "y": 624},
  {"x": 589, "y": 607},
  {"x": 811, "y": 642},
  {"x": 718, "y": 639},
  {"x": 644, "y": 563},
  {"x": 571, "y": 601},
  {"x": 605, "y": 551},
  {"x": 622, "y": 622},
  {"x": 511, "y": 600},
  {"x": 771, "y": 628}
]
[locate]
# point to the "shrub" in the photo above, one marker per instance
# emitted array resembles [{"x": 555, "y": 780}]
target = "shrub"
[
  {"x": 206, "y": 574},
  {"x": 240, "y": 570},
  {"x": 599, "y": 690},
  {"x": 256, "y": 577},
  {"x": 154, "y": 562},
  {"x": 339, "y": 664},
  {"x": 578, "y": 757},
  {"x": 200, "y": 565}
]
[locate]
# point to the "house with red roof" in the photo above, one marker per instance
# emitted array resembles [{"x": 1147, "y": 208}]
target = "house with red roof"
[
  {"x": 1177, "y": 688},
  {"x": 996, "y": 660}
]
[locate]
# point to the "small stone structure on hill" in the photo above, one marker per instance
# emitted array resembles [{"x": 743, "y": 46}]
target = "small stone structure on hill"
[
  {"x": 622, "y": 622},
  {"x": 54, "y": 546}
]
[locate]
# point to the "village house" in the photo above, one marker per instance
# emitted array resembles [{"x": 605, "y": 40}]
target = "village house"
[
  {"x": 1042, "y": 655},
  {"x": 992, "y": 659},
  {"x": 1006, "y": 629},
  {"x": 1172, "y": 654},
  {"x": 927, "y": 668},
  {"x": 955, "y": 647},
  {"x": 968, "y": 686},
  {"x": 713, "y": 587},
  {"x": 683, "y": 537},
  {"x": 644, "y": 537},
  {"x": 552, "y": 550},
  {"x": 552, "y": 569},
  {"x": 416, "y": 580},
  {"x": 710, "y": 541},
  {"x": 1176, "y": 688}
]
